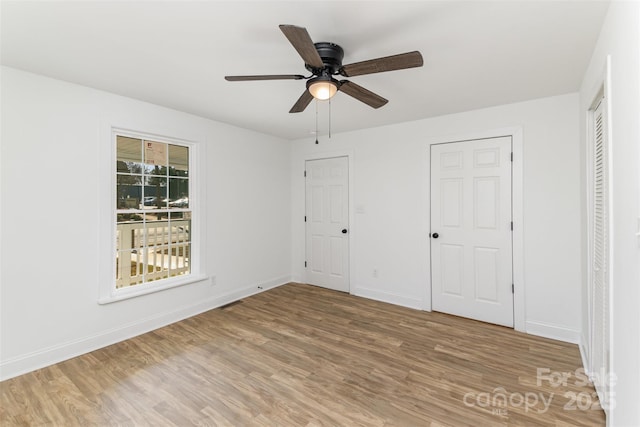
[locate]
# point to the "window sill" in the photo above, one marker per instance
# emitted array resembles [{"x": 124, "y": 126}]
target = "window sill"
[{"x": 151, "y": 287}]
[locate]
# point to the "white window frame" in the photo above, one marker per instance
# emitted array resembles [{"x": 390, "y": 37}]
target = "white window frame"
[{"x": 108, "y": 292}]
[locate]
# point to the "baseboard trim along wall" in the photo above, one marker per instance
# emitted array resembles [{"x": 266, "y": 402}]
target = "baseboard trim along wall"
[
  {"x": 554, "y": 332},
  {"x": 387, "y": 297},
  {"x": 30, "y": 362}
]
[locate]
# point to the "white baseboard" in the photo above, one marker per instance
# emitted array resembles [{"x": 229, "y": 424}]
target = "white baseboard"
[
  {"x": 251, "y": 290},
  {"x": 388, "y": 297},
  {"x": 297, "y": 279},
  {"x": 39, "y": 359},
  {"x": 554, "y": 332}
]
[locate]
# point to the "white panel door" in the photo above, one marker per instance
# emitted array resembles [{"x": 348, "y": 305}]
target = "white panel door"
[
  {"x": 327, "y": 223},
  {"x": 471, "y": 247}
]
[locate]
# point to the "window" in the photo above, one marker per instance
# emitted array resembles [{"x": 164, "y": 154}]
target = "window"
[{"x": 153, "y": 211}]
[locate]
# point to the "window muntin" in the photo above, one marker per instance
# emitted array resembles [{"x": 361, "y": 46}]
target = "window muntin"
[{"x": 153, "y": 213}]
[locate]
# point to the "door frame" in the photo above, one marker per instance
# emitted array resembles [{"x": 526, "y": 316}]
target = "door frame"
[
  {"x": 516, "y": 134},
  {"x": 332, "y": 155}
]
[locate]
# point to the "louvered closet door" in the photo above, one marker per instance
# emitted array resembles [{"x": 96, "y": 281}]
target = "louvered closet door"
[{"x": 600, "y": 252}]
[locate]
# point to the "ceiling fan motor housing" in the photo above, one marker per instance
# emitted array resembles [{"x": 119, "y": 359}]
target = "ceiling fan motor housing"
[{"x": 331, "y": 55}]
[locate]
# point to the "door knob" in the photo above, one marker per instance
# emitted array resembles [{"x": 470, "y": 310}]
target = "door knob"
[
  {"x": 344, "y": 231},
  {"x": 435, "y": 235}
]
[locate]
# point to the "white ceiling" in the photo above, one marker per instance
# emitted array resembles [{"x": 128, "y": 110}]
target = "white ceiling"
[{"x": 176, "y": 53}]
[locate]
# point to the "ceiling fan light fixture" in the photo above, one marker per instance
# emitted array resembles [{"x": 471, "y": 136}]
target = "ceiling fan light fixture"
[
  {"x": 322, "y": 87},
  {"x": 324, "y": 60}
]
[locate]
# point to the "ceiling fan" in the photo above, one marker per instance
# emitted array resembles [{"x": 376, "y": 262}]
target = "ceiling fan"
[{"x": 324, "y": 60}]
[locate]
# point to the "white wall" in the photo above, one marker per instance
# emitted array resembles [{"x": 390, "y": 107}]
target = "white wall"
[
  {"x": 390, "y": 185},
  {"x": 254, "y": 205},
  {"x": 51, "y": 134},
  {"x": 620, "y": 38}
]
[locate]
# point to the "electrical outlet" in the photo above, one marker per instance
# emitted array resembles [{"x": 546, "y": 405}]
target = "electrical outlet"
[{"x": 374, "y": 273}]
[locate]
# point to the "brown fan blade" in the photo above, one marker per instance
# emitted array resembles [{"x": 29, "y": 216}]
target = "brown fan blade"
[
  {"x": 301, "y": 41},
  {"x": 362, "y": 94},
  {"x": 379, "y": 65},
  {"x": 302, "y": 102},
  {"x": 264, "y": 77}
]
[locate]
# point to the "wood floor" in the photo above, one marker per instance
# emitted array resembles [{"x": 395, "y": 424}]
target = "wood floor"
[{"x": 299, "y": 355}]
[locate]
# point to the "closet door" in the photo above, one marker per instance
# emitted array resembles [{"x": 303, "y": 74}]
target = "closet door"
[
  {"x": 600, "y": 262},
  {"x": 471, "y": 230}
]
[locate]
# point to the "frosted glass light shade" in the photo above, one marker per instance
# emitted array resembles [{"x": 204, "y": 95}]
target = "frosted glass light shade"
[{"x": 323, "y": 90}]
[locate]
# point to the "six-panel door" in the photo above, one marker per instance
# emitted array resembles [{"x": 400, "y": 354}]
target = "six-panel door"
[
  {"x": 471, "y": 246},
  {"x": 327, "y": 223}
]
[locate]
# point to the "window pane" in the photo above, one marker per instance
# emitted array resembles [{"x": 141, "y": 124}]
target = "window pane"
[
  {"x": 155, "y": 193},
  {"x": 155, "y": 170},
  {"x": 158, "y": 237},
  {"x": 180, "y": 227},
  {"x": 129, "y": 217},
  {"x": 128, "y": 191},
  {"x": 154, "y": 202},
  {"x": 130, "y": 234},
  {"x": 155, "y": 154},
  {"x": 178, "y": 160},
  {"x": 180, "y": 263},
  {"x": 128, "y": 167},
  {"x": 178, "y": 193},
  {"x": 157, "y": 231},
  {"x": 129, "y": 150},
  {"x": 180, "y": 246},
  {"x": 158, "y": 262},
  {"x": 129, "y": 268}
]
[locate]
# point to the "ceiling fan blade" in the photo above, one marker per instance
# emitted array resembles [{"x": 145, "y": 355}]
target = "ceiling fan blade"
[
  {"x": 362, "y": 94},
  {"x": 301, "y": 41},
  {"x": 264, "y": 77},
  {"x": 379, "y": 65},
  {"x": 302, "y": 102}
]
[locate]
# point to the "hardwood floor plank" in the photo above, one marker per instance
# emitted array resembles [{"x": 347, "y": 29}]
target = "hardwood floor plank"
[{"x": 299, "y": 355}]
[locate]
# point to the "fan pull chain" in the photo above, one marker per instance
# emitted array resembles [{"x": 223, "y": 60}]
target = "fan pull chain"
[
  {"x": 316, "y": 121},
  {"x": 329, "y": 118}
]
